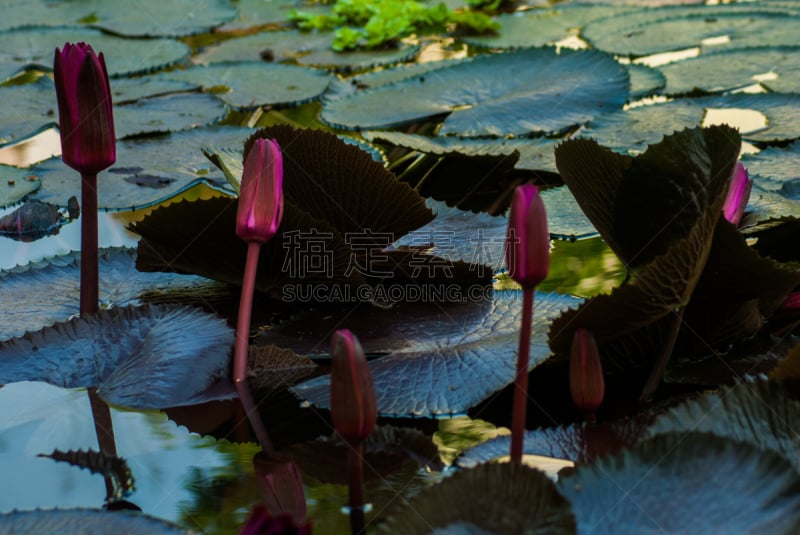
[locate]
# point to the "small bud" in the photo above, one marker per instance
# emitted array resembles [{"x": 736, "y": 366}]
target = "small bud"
[
  {"x": 527, "y": 238},
  {"x": 791, "y": 304},
  {"x": 281, "y": 485},
  {"x": 260, "y": 209},
  {"x": 261, "y": 522},
  {"x": 353, "y": 407},
  {"x": 586, "y": 381},
  {"x": 86, "y": 120},
  {"x": 738, "y": 195}
]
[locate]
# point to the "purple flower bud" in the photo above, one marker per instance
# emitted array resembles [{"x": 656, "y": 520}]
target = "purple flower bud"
[
  {"x": 738, "y": 195},
  {"x": 86, "y": 121},
  {"x": 527, "y": 238},
  {"x": 353, "y": 407},
  {"x": 261, "y": 194},
  {"x": 586, "y": 382}
]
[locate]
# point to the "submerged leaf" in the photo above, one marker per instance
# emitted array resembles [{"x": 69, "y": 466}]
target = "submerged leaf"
[
  {"x": 444, "y": 375},
  {"x": 499, "y": 498},
  {"x": 146, "y": 357},
  {"x": 686, "y": 483},
  {"x": 81, "y": 521},
  {"x": 98, "y": 462}
]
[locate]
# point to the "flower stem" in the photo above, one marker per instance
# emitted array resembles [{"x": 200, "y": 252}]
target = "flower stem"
[
  {"x": 90, "y": 293},
  {"x": 663, "y": 357},
  {"x": 356, "y": 487},
  {"x": 521, "y": 379},
  {"x": 241, "y": 348}
]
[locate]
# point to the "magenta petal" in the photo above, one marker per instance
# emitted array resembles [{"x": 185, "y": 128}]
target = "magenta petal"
[
  {"x": 527, "y": 238},
  {"x": 260, "y": 208},
  {"x": 738, "y": 195}
]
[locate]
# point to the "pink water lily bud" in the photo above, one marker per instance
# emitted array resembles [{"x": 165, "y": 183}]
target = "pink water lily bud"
[
  {"x": 86, "y": 121},
  {"x": 281, "y": 485},
  {"x": 586, "y": 381},
  {"x": 527, "y": 238},
  {"x": 353, "y": 407},
  {"x": 791, "y": 304},
  {"x": 738, "y": 195},
  {"x": 261, "y": 193},
  {"x": 261, "y": 522}
]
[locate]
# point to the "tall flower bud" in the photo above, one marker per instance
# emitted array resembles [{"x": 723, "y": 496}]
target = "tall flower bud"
[
  {"x": 738, "y": 195},
  {"x": 261, "y": 194},
  {"x": 353, "y": 407},
  {"x": 586, "y": 382},
  {"x": 527, "y": 238},
  {"x": 86, "y": 121}
]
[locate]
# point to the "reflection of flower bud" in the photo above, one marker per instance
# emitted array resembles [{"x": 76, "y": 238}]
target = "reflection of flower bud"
[
  {"x": 791, "y": 304},
  {"x": 738, "y": 195},
  {"x": 86, "y": 121},
  {"x": 353, "y": 407},
  {"x": 260, "y": 207},
  {"x": 262, "y": 523},
  {"x": 586, "y": 382},
  {"x": 281, "y": 485},
  {"x": 527, "y": 239}
]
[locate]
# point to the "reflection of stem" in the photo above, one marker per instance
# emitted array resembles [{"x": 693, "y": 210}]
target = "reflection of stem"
[
  {"x": 663, "y": 357},
  {"x": 90, "y": 297},
  {"x": 521, "y": 379},
  {"x": 90, "y": 294},
  {"x": 356, "y": 487},
  {"x": 240, "y": 350}
]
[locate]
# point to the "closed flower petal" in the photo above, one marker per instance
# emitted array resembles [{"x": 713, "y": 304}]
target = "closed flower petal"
[
  {"x": 527, "y": 238},
  {"x": 260, "y": 207},
  {"x": 86, "y": 120},
  {"x": 738, "y": 195},
  {"x": 353, "y": 406},
  {"x": 586, "y": 381}
]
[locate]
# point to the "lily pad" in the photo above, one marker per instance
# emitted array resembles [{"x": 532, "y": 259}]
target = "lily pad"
[
  {"x": 147, "y": 171},
  {"x": 645, "y": 81},
  {"x": 260, "y": 12},
  {"x": 309, "y": 49},
  {"x": 519, "y": 92},
  {"x": 33, "y": 47},
  {"x": 15, "y": 184},
  {"x": 168, "y": 113},
  {"x": 581, "y": 443},
  {"x": 147, "y": 357},
  {"x": 31, "y": 221},
  {"x": 776, "y": 68},
  {"x": 764, "y": 414},
  {"x": 686, "y": 483},
  {"x": 126, "y": 90},
  {"x": 251, "y": 85},
  {"x": 26, "y": 110},
  {"x": 565, "y": 218},
  {"x": 673, "y": 29},
  {"x": 41, "y": 294},
  {"x": 498, "y": 498},
  {"x": 450, "y": 375},
  {"x": 537, "y": 27},
  {"x": 777, "y": 169},
  {"x": 81, "y": 521}
]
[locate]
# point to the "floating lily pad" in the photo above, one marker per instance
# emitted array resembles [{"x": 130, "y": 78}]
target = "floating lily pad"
[
  {"x": 15, "y": 184},
  {"x": 147, "y": 171},
  {"x": 26, "y": 110},
  {"x": 565, "y": 218},
  {"x": 645, "y": 81},
  {"x": 80, "y": 521},
  {"x": 537, "y": 27},
  {"x": 125, "y": 90},
  {"x": 310, "y": 49},
  {"x": 765, "y": 414},
  {"x": 581, "y": 443},
  {"x": 499, "y": 498},
  {"x": 40, "y": 294},
  {"x": 260, "y": 12},
  {"x": 678, "y": 28},
  {"x": 168, "y": 113},
  {"x": 33, "y": 47},
  {"x": 251, "y": 85},
  {"x": 459, "y": 370},
  {"x": 634, "y": 129},
  {"x": 686, "y": 483},
  {"x": 777, "y": 169},
  {"x": 31, "y": 221},
  {"x": 519, "y": 92},
  {"x": 147, "y": 357},
  {"x": 776, "y": 68}
]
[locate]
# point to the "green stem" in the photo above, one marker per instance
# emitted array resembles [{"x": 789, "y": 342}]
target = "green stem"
[
  {"x": 241, "y": 348},
  {"x": 356, "y": 487},
  {"x": 521, "y": 379},
  {"x": 660, "y": 365}
]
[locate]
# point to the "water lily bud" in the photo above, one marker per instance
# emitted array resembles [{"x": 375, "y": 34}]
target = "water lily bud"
[
  {"x": 353, "y": 407},
  {"x": 738, "y": 195},
  {"x": 261, "y": 194},
  {"x": 791, "y": 304},
  {"x": 586, "y": 382},
  {"x": 261, "y": 522},
  {"x": 281, "y": 485},
  {"x": 86, "y": 121},
  {"x": 527, "y": 238}
]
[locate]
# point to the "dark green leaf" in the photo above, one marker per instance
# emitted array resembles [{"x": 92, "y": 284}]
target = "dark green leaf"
[{"x": 530, "y": 90}]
